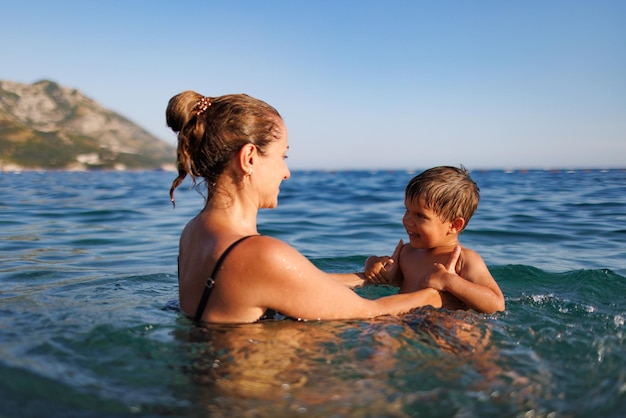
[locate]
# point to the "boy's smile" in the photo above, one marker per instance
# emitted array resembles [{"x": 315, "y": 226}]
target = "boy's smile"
[{"x": 424, "y": 227}]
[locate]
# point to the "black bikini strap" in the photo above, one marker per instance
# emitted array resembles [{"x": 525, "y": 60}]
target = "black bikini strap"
[{"x": 211, "y": 280}]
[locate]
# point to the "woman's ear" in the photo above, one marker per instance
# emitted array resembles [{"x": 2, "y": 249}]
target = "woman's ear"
[
  {"x": 247, "y": 158},
  {"x": 457, "y": 224}
]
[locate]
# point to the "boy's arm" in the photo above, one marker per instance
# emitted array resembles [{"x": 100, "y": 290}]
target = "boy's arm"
[
  {"x": 476, "y": 287},
  {"x": 385, "y": 270}
]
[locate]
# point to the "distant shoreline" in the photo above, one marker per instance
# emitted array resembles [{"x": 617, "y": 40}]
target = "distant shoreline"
[{"x": 11, "y": 168}]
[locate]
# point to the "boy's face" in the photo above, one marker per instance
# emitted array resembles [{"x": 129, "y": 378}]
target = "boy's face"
[{"x": 424, "y": 227}]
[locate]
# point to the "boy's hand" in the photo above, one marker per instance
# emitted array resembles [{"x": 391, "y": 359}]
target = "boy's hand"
[
  {"x": 438, "y": 279},
  {"x": 380, "y": 270},
  {"x": 375, "y": 269}
]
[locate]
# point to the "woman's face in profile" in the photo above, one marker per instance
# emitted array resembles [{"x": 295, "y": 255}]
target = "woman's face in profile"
[{"x": 273, "y": 169}]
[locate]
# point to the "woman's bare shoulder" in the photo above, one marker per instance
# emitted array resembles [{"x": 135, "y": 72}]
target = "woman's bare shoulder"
[
  {"x": 269, "y": 253},
  {"x": 267, "y": 246}
]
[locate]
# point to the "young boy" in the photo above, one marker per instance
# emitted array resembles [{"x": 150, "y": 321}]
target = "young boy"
[{"x": 439, "y": 204}]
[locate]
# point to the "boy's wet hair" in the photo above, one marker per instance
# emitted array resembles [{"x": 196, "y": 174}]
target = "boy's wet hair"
[{"x": 448, "y": 191}]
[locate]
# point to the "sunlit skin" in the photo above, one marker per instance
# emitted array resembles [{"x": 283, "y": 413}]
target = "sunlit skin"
[
  {"x": 431, "y": 242},
  {"x": 263, "y": 272},
  {"x": 267, "y": 177}
]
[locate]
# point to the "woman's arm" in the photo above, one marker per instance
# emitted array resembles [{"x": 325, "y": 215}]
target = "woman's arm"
[
  {"x": 281, "y": 278},
  {"x": 349, "y": 279}
]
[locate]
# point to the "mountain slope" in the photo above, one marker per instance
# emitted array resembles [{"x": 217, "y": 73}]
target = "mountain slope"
[{"x": 45, "y": 125}]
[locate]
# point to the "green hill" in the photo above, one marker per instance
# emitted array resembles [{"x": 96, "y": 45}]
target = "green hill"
[{"x": 46, "y": 126}]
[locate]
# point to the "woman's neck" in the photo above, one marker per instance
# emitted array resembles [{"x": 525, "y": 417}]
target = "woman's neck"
[{"x": 231, "y": 212}]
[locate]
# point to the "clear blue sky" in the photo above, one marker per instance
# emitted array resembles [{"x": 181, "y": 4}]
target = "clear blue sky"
[{"x": 361, "y": 84}]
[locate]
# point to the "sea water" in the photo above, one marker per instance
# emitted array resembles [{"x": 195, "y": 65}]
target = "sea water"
[{"x": 88, "y": 276}]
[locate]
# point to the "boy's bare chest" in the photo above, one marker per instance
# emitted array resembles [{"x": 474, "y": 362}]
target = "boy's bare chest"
[{"x": 417, "y": 267}]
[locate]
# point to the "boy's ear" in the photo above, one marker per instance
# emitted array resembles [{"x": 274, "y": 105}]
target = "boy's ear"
[{"x": 457, "y": 225}]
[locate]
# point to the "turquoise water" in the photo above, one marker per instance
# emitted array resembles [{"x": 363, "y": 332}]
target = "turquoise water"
[{"x": 88, "y": 267}]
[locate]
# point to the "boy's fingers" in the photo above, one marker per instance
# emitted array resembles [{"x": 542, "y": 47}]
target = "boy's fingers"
[
  {"x": 396, "y": 252},
  {"x": 454, "y": 258},
  {"x": 387, "y": 262}
]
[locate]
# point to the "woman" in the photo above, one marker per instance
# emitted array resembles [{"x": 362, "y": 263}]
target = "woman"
[{"x": 228, "y": 273}]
